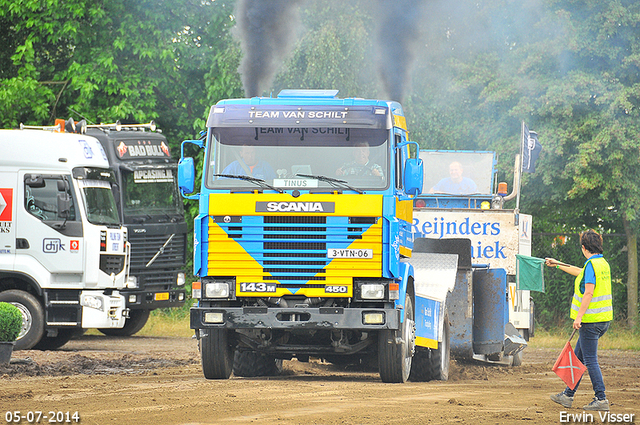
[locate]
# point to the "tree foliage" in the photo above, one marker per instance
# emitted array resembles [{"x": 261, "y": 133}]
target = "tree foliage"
[{"x": 568, "y": 68}]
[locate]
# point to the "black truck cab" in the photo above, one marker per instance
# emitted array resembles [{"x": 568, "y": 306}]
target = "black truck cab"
[{"x": 151, "y": 207}]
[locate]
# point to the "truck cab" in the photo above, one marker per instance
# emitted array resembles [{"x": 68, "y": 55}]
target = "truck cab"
[
  {"x": 64, "y": 254},
  {"x": 304, "y": 233},
  {"x": 151, "y": 207}
]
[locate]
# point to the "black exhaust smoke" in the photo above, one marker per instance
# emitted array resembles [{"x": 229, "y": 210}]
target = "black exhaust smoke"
[
  {"x": 398, "y": 40},
  {"x": 266, "y": 29}
]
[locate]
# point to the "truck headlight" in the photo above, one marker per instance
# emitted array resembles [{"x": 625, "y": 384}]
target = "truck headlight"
[
  {"x": 92, "y": 301},
  {"x": 216, "y": 290},
  {"x": 372, "y": 291},
  {"x": 180, "y": 280}
]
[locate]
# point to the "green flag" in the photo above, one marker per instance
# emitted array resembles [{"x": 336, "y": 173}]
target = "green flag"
[{"x": 529, "y": 273}]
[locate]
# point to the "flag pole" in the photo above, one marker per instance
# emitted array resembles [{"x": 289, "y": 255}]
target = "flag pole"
[
  {"x": 572, "y": 334},
  {"x": 520, "y": 168}
]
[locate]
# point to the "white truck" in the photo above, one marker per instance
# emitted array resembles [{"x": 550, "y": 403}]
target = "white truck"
[{"x": 64, "y": 254}]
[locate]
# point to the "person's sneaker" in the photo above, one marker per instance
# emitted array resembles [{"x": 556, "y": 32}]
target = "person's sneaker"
[
  {"x": 597, "y": 405},
  {"x": 562, "y": 398}
]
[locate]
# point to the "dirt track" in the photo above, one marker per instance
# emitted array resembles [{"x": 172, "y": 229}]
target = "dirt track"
[{"x": 144, "y": 380}]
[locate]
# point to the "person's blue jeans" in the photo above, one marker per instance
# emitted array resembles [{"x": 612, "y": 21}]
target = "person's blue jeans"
[{"x": 587, "y": 352}]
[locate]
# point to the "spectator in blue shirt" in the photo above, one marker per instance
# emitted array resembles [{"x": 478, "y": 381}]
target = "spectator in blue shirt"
[{"x": 455, "y": 184}]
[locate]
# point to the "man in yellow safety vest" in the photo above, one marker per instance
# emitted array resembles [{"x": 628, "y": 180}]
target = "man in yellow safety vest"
[{"x": 592, "y": 312}]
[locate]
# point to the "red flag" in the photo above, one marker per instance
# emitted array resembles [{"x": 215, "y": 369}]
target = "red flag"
[{"x": 568, "y": 367}]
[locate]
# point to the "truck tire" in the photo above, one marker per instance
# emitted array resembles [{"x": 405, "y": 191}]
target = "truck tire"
[
  {"x": 440, "y": 358},
  {"x": 54, "y": 342},
  {"x": 216, "y": 352},
  {"x": 250, "y": 364},
  {"x": 394, "y": 359},
  {"x": 134, "y": 324},
  {"x": 433, "y": 364},
  {"x": 32, "y": 317}
]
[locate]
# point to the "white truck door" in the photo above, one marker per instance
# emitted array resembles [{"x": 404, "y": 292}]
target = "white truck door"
[
  {"x": 54, "y": 236},
  {"x": 7, "y": 219}
]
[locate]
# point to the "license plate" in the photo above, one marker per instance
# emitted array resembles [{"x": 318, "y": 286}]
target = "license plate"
[
  {"x": 161, "y": 296},
  {"x": 364, "y": 254}
]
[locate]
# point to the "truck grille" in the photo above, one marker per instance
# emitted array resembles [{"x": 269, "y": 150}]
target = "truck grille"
[
  {"x": 111, "y": 263},
  {"x": 291, "y": 250},
  {"x": 143, "y": 248}
]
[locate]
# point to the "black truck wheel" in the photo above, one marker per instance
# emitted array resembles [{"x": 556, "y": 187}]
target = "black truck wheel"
[
  {"x": 250, "y": 364},
  {"x": 396, "y": 348},
  {"x": 55, "y": 342},
  {"x": 216, "y": 352},
  {"x": 32, "y": 317},
  {"x": 134, "y": 323}
]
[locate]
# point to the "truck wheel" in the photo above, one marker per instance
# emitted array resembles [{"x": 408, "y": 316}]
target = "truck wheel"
[
  {"x": 441, "y": 357},
  {"x": 134, "y": 323},
  {"x": 429, "y": 364},
  {"x": 55, "y": 342},
  {"x": 251, "y": 363},
  {"x": 216, "y": 352},
  {"x": 394, "y": 357},
  {"x": 32, "y": 317}
]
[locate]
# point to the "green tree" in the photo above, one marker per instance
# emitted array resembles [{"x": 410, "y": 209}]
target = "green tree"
[
  {"x": 333, "y": 51},
  {"x": 121, "y": 59},
  {"x": 567, "y": 68}
]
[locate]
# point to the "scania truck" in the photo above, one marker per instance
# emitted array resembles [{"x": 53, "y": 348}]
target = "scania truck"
[
  {"x": 304, "y": 244},
  {"x": 64, "y": 254}
]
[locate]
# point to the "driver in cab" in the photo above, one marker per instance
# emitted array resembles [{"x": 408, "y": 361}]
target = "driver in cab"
[
  {"x": 360, "y": 166},
  {"x": 249, "y": 165}
]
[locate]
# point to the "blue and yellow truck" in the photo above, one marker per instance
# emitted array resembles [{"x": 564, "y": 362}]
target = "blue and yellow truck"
[{"x": 304, "y": 244}]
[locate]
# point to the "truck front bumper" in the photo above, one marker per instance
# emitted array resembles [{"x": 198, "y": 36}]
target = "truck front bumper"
[
  {"x": 141, "y": 299},
  {"x": 322, "y": 318}
]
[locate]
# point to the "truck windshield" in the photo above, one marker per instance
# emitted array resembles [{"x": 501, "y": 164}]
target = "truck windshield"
[
  {"x": 98, "y": 197},
  {"x": 457, "y": 172},
  {"x": 100, "y": 203},
  {"x": 357, "y": 156},
  {"x": 151, "y": 191}
]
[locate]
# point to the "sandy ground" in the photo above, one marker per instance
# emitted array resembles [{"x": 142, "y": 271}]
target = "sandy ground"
[{"x": 146, "y": 380}]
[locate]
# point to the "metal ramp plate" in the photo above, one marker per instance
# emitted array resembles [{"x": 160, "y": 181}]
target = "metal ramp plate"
[{"x": 435, "y": 274}]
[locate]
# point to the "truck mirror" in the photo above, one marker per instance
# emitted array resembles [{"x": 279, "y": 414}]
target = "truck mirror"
[
  {"x": 413, "y": 176},
  {"x": 186, "y": 175},
  {"x": 64, "y": 204},
  {"x": 34, "y": 181}
]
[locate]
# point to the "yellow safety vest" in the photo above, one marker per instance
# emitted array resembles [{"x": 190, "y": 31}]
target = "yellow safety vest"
[{"x": 601, "y": 306}]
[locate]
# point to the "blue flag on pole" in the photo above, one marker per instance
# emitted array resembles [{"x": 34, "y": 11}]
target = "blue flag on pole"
[{"x": 531, "y": 148}]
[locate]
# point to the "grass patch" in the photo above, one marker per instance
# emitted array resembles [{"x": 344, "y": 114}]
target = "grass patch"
[
  {"x": 618, "y": 337},
  {"x": 169, "y": 322}
]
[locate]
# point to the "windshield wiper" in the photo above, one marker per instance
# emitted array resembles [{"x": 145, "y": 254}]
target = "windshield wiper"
[
  {"x": 255, "y": 180},
  {"x": 142, "y": 218},
  {"x": 333, "y": 182}
]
